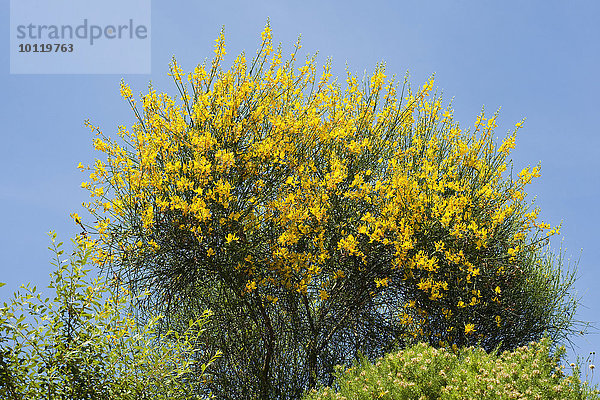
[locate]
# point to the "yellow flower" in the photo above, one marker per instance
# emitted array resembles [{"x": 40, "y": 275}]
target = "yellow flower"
[
  {"x": 349, "y": 244},
  {"x": 76, "y": 218},
  {"x": 250, "y": 286},
  {"x": 469, "y": 328},
  {"x": 381, "y": 282},
  {"x": 125, "y": 90},
  {"x": 339, "y": 274},
  {"x": 323, "y": 295},
  {"x": 439, "y": 246},
  {"x": 272, "y": 299},
  {"x": 424, "y": 284},
  {"x": 231, "y": 237}
]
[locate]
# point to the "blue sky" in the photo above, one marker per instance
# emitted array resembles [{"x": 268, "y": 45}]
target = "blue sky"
[{"x": 534, "y": 59}]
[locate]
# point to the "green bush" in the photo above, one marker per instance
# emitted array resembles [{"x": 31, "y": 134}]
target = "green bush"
[
  {"x": 424, "y": 372},
  {"x": 83, "y": 344}
]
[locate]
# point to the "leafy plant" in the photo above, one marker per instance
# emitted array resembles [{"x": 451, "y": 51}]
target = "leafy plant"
[{"x": 84, "y": 344}]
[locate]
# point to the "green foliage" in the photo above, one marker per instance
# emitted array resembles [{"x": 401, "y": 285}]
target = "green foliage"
[
  {"x": 83, "y": 343},
  {"x": 425, "y": 373}
]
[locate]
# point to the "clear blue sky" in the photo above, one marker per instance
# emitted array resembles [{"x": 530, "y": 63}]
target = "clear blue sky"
[{"x": 535, "y": 59}]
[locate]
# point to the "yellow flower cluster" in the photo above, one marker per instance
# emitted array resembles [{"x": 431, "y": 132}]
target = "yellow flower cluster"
[{"x": 317, "y": 181}]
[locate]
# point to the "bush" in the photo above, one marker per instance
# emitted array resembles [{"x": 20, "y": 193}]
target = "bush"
[
  {"x": 319, "y": 221},
  {"x": 423, "y": 372},
  {"x": 83, "y": 344}
]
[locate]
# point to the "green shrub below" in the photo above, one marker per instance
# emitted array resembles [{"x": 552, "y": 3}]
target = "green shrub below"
[
  {"x": 425, "y": 373},
  {"x": 84, "y": 343}
]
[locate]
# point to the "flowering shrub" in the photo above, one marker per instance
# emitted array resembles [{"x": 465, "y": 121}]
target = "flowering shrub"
[
  {"x": 83, "y": 344},
  {"x": 319, "y": 220},
  {"x": 423, "y": 372}
]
